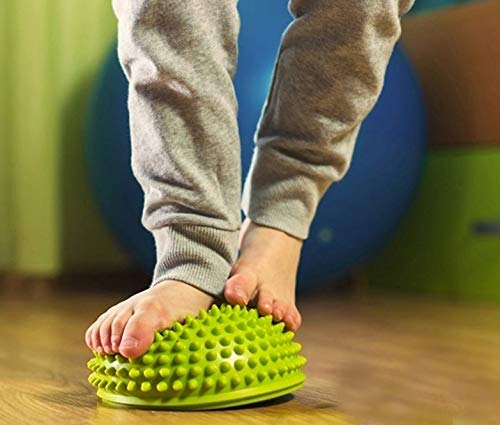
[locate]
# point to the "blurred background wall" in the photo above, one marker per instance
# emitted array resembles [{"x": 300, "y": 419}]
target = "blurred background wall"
[
  {"x": 50, "y": 53},
  {"x": 49, "y": 224},
  {"x": 449, "y": 244}
]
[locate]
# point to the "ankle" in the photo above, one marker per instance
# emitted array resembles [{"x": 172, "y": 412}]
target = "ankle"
[{"x": 273, "y": 238}]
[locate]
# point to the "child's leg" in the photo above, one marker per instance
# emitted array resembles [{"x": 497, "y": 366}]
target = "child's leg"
[
  {"x": 328, "y": 76},
  {"x": 179, "y": 57}
]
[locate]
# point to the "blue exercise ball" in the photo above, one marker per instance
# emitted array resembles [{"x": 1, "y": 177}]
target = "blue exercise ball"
[{"x": 354, "y": 218}]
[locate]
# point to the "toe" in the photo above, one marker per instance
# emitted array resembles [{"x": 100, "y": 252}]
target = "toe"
[
  {"x": 240, "y": 288},
  {"x": 278, "y": 311},
  {"x": 297, "y": 318},
  {"x": 265, "y": 303},
  {"x": 117, "y": 328},
  {"x": 88, "y": 337},
  {"x": 292, "y": 319},
  {"x": 105, "y": 333},
  {"x": 139, "y": 332},
  {"x": 95, "y": 334}
]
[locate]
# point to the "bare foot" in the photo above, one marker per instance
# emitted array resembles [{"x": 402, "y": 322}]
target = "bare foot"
[
  {"x": 129, "y": 327},
  {"x": 265, "y": 273}
]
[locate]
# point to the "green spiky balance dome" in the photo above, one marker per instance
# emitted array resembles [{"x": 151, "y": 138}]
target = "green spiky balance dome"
[{"x": 228, "y": 356}]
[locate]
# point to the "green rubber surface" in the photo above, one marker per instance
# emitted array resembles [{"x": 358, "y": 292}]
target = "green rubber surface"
[{"x": 226, "y": 356}]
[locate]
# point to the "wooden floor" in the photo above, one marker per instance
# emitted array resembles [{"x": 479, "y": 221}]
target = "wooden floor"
[{"x": 371, "y": 360}]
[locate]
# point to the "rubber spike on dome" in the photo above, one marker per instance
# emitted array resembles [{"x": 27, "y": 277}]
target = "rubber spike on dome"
[{"x": 226, "y": 356}]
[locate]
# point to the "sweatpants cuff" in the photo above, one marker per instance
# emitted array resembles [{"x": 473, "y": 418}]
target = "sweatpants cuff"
[
  {"x": 200, "y": 256},
  {"x": 278, "y": 195}
]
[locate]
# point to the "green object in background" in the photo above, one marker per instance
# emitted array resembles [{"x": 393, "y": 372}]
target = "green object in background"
[
  {"x": 439, "y": 249},
  {"x": 50, "y": 51},
  {"x": 5, "y": 171},
  {"x": 228, "y": 356}
]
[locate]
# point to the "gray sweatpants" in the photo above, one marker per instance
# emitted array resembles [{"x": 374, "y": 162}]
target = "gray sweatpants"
[{"x": 179, "y": 57}]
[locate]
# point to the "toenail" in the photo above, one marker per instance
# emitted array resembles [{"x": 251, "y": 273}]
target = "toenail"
[
  {"x": 241, "y": 294},
  {"x": 129, "y": 343}
]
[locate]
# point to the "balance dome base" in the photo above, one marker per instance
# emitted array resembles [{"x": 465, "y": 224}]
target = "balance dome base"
[{"x": 236, "y": 398}]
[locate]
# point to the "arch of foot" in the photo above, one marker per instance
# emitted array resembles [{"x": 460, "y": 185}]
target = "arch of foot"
[{"x": 221, "y": 350}]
